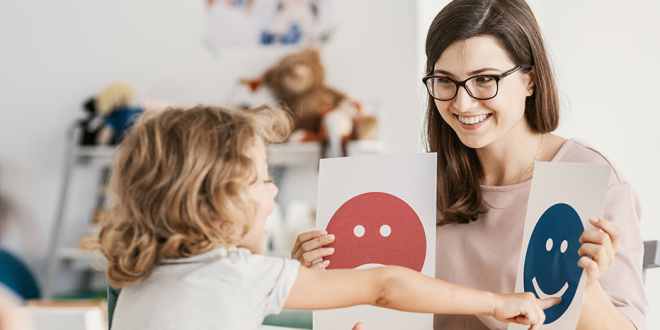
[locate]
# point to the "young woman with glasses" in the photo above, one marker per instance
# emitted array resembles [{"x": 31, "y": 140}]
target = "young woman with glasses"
[{"x": 492, "y": 107}]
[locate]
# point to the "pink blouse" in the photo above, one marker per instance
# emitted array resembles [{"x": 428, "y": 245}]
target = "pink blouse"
[{"x": 484, "y": 254}]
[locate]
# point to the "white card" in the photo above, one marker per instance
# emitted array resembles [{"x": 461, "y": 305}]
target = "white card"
[
  {"x": 563, "y": 197},
  {"x": 382, "y": 211}
]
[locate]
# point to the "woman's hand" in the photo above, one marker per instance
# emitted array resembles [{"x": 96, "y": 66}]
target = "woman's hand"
[
  {"x": 310, "y": 246},
  {"x": 522, "y": 308},
  {"x": 598, "y": 248},
  {"x": 358, "y": 326}
]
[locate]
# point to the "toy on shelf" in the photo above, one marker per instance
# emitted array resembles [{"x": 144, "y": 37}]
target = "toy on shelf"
[
  {"x": 115, "y": 104},
  {"x": 320, "y": 113},
  {"x": 91, "y": 125},
  {"x": 250, "y": 94}
]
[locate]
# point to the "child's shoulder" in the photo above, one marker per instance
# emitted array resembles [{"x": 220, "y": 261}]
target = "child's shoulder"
[
  {"x": 226, "y": 263},
  {"x": 242, "y": 256},
  {"x": 243, "y": 261}
]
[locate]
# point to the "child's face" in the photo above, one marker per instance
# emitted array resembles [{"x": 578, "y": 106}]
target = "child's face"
[{"x": 264, "y": 191}]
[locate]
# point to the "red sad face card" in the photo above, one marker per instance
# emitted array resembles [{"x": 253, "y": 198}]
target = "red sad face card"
[
  {"x": 377, "y": 228},
  {"x": 382, "y": 211}
]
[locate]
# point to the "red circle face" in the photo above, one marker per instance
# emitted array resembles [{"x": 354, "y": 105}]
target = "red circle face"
[{"x": 376, "y": 228}]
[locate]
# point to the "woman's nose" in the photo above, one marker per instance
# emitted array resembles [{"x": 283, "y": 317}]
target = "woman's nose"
[{"x": 463, "y": 102}]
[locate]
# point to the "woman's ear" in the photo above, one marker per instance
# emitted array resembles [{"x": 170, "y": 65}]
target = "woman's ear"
[{"x": 531, "y": 81}]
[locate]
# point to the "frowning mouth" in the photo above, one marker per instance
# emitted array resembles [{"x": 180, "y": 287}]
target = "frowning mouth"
[{"x": 544, "y": 295}]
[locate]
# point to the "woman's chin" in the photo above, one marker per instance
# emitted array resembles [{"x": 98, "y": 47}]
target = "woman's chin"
[{"x": 473, "y": 142}]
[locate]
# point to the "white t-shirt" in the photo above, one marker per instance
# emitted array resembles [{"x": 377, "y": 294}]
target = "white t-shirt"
[{"x": 208, "y": 291}]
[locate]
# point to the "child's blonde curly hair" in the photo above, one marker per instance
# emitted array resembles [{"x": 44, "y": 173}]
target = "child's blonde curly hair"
[{"x": 179, "y": 186}]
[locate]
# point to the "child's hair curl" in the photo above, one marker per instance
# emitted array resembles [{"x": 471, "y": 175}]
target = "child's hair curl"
[{"x": 179, "y": 186}]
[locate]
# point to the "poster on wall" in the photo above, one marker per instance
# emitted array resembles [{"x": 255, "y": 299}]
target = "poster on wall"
[
  {"x": 263, "y": 23},
  {"x": 562, "y": 199},
  {"x": 381, "y": 210}
]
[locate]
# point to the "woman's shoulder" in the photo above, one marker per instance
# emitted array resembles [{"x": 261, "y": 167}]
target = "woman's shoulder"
[{"x": 576, "y": 150}]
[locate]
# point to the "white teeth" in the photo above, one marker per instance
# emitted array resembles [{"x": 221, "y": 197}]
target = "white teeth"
[{"x": 472, "y": 120}]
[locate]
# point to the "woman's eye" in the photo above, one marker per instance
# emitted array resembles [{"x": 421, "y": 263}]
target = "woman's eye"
[
  {"x": 484, "y": 80},
  {"x": 443, "y": 81}
]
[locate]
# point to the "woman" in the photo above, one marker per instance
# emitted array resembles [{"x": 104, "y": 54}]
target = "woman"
[{"x": 492, "y": 107}]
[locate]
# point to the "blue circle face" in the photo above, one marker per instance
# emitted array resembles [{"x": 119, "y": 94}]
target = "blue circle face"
[{"x": 551, "y": 264}]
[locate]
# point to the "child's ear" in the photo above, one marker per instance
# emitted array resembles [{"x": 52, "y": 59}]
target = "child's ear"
[{"x": 231, "y": 231}]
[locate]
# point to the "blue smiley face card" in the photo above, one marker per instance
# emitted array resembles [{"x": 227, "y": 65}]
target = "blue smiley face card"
[{"x": 562, "y": 198}]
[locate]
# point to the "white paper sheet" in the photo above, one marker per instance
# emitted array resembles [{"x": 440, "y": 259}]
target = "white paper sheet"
[
  {"x": 383, "y": 212},
  {"x": 562, "y": 199}
]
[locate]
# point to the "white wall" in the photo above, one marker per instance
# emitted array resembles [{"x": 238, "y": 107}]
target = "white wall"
[
  {"x": 56, "y": 54},
  {"x": 606, "y": 57}
]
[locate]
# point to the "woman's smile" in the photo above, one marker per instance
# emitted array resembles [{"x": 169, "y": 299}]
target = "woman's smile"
[{"x": 473, "y": 122}]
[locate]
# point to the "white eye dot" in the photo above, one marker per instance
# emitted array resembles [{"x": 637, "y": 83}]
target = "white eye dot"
[
  {"x": 358, "y": 231},
  {"x": 564, "y": 246},
  {"x": 385, "y": 230},
  {"x": 548, "y": 244}
]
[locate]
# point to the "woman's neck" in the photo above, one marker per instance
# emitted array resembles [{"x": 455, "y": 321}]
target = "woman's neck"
[{"x": 507, "y": 161}]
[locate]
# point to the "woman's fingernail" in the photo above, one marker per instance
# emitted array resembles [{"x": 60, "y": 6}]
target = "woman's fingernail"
[
  {"x": 330, "y": 237},
  {"x": 323, "y": 232},
  {"x": 326, "y": 262},
  {"x": 330, "y": 249},
  {"x": 594, "y": 219}
]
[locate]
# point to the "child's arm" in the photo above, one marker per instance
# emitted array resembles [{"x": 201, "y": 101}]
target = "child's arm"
[{"x": 407, "y": 290}]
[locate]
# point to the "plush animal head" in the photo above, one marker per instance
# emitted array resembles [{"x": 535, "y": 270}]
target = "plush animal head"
[
  {"x": 296, "y": 75},
  {"x": 117, "y": 95}
]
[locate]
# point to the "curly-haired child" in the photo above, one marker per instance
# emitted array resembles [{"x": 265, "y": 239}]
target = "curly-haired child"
[{"x": 185, "y": 228}]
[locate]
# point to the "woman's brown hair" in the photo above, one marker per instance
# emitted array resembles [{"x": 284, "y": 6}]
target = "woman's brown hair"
[
  {"x": 512, "y": 24},
  {"x": 179, "y": 186}
]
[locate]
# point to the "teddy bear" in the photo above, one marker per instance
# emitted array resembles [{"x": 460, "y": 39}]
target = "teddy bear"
[{"x": 320, "y": 112}]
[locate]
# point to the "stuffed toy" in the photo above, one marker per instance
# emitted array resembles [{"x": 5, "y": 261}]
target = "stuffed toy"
[
  {"x": 250, "y": 94},
  {"x": 115, "y": 103},
  {"x": 91, "y": 125},
  {"x": 318, "y": 110}
]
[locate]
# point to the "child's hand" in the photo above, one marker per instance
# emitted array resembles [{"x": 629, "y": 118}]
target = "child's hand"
[
  {"x": 598, "y": 248},
  {"x": 310, "y": 246},
  {"x": 522, "y": 308}
]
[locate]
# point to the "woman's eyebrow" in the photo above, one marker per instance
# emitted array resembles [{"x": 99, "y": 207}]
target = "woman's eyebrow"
[
  {"x": 443, "y": 72},
  {"x": 475, "y": 72},
  {"x": 482, "y": 71}
]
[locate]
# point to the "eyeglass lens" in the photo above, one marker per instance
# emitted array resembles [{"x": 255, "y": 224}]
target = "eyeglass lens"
[{"x": 480, "y": 87}]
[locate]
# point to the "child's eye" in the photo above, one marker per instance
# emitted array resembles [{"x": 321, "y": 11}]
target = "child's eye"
[{"x": 268, "y": 181}]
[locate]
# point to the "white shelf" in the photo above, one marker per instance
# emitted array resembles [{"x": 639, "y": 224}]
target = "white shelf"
[
  {"x": 98, "y": 155},
  {"x": 306, "y": 153},
  {"x": 292, "y": 152},
  {"x": 80, "y": 258}
]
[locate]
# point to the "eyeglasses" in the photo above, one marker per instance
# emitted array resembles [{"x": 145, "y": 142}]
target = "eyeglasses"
[{"x": 481, "y": 87}]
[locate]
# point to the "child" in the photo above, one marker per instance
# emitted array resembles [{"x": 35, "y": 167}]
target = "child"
[{"x": 184, "y": 233}]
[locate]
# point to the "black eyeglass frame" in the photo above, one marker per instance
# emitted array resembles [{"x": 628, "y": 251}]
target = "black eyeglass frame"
[{"x": 462, "y": 83}]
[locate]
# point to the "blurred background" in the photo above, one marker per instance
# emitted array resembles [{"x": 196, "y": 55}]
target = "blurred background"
[{"x": 55, "y": 55}]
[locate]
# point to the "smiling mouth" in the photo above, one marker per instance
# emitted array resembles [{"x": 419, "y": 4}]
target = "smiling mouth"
[
  {"x": 472, "y": 119},
  {"x": 543, "y": 295}
]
